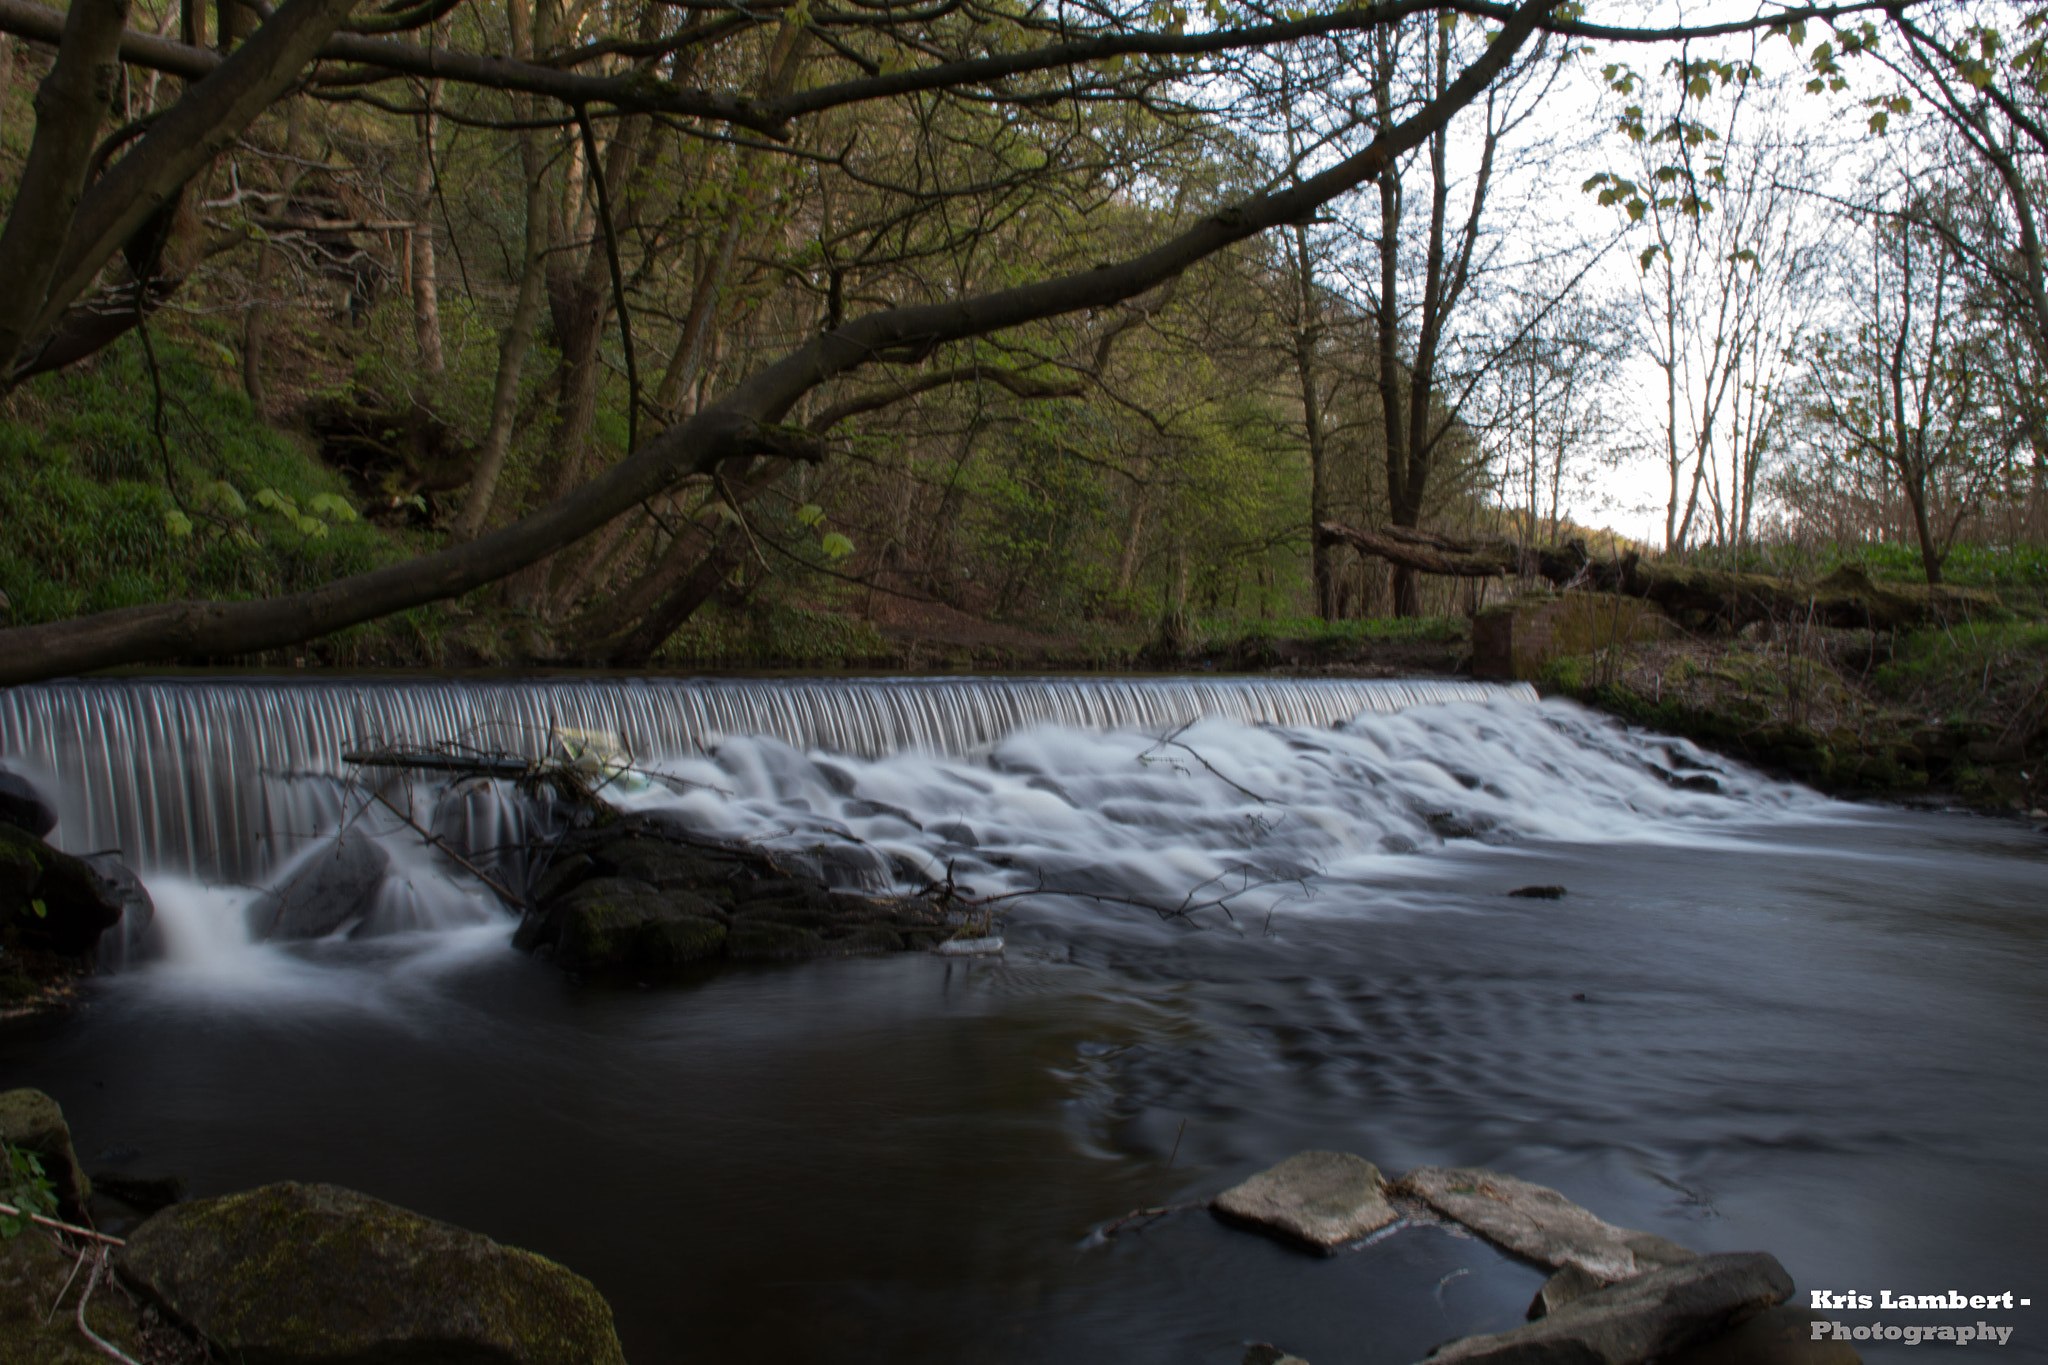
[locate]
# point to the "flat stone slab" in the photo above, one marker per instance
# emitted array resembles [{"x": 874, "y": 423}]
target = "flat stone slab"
[
  {"x": 1538, "y": 1224},
  {"x": 1642, "y": 1319},
  {"x": 1320, "y": 1198}
]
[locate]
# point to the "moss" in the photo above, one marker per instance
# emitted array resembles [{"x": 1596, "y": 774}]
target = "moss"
[
  {"x": 295, "y": 1271},
  {"x": 756, "y": 940}
]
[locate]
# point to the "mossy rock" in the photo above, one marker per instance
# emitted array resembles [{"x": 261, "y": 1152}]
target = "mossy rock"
[
  {"x": 294, "y": 1274},
  {"x": 616, "y": 924},
  {"x": 759, "y": 940},
  {"x": 33, "y": 1272},
  {"x": 50, "y": 901},
  {"x": 32, "y": 1121}
]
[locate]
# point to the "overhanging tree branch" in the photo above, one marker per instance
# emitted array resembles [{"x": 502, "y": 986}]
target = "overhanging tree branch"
[{"x": 734, "y": 427}]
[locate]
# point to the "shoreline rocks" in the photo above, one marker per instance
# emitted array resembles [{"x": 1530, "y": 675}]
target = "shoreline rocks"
[
  {"x": 1320, "y": 1199},
  {"x": 1615, "y": 1296}
]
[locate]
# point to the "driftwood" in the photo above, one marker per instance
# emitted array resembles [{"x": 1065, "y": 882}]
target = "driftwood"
[{"x": 1847, "y": 598}]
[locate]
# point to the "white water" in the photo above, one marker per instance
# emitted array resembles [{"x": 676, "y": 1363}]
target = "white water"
[{"x": 1236, "y": 799}]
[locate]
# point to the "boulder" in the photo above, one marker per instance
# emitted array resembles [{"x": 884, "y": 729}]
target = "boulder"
[
  {"x": 32, "y": 1121},
  {"x": 1646, "y": 1318},
  {"x": 333, "y": 890},
  {"x": 23, "y": 806},
  {"x": 1776, "y": 1336},
  {"x": 617, "y": 924},
  {"x": 1322, "y": 1199},
  {"x": 640, "y": 898},
  {"x": 135, "y": 935},
  {"x": 50, "y": 901},
  {"x": 294, "y": 1274},
  {"x": 1538, "y": 1224}
]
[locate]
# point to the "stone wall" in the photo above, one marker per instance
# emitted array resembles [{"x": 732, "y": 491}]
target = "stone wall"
[{"x": 1515, "y": 640}]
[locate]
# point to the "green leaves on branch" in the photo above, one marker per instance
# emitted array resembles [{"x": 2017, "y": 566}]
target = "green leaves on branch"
[
  {"x": 24, "y": 1186},
  {"x": 835, "y": 545},
  {"x": 231, "y": 512}
]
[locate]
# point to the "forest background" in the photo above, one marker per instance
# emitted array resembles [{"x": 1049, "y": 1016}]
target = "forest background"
[{"x": 1766, "y": 292}]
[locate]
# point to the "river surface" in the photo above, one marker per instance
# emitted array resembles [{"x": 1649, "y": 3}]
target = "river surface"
[{"x": 1757, "y": 1020}]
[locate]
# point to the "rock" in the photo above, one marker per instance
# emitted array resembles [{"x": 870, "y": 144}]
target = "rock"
[
  {"x": 616, "y": 924},
  {"x": 135, "y": 936},
  {"x": 32, "y": 1121},
  {"x": 1539, "y": 893},
  {"x": 1266, "y": 1353},
  {"x": 1637, "y": 1320},
  {"x": 334, "y": 889},
  {"x": 34, "y": 1270},
  {"x": 295, "y": 1273},
  {"x": 637, "y": 896},
  {"x": 50, "y": 901},
  {"x": 970, "y": 947},
  {"x": 143, "y": 1193},
  {"x": 1323, "y": 1199},
  {"x": 1538, "y": 1224},
  {"x": 24, "y": 807},
  {"x": 1776, "y": 1336},
  {"x": 1560, "y": 1289}
]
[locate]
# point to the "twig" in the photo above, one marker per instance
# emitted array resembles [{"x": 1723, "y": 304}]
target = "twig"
[
  {"x": 1149, "y": 1216},
  {"x": 72, "y": 1228},
  {"x": 99, "y": 1265},
  {"x": 58, "y": 1302},
  {"x": 437, "y": 841},
  {"x": 1172, "y": 737},
  {"x": 1176, "y": 1143}
]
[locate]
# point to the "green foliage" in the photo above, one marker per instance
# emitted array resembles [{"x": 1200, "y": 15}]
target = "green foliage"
[
  {"x": 24, "y": 1187},
  {"x": 773, "y": 635},
  {"x": 101, "y": 515},
  {"x": 1970, "y": 565}
]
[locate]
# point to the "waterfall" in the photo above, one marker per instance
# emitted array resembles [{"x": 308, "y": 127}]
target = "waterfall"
[{"x": 230, "y": 779}]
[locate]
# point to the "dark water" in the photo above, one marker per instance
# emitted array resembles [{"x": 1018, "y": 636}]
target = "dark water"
[{"x": 1823, "y": 1034}]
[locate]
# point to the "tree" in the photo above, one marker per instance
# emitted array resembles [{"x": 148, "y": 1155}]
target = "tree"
[{"x": 83, "y": 200}]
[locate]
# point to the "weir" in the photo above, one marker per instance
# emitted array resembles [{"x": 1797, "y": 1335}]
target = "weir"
[{"x": 226, "y": 777}]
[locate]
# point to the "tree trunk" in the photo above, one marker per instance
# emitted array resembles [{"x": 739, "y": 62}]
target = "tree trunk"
[
  {"x": 255, "y": 332},
  {"x": 426, "y": 284}
]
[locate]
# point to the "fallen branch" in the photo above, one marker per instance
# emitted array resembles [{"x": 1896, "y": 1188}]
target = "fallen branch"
[{"x": 72, "y": 1228}]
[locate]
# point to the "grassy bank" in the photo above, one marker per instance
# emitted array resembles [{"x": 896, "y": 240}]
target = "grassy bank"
[{"x": 1955, "y": 712}]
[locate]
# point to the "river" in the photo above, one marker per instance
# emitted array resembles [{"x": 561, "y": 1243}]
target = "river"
[{"x": 1758, "y": 1019}]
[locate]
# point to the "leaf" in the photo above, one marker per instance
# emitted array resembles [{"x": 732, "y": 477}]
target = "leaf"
[
  {"x": 177, "y": 523},
  {"x": 332, "y": 506},
  {"x": 836, "y": 545},
  {"x": 42, "y": 910},
  {"x": 810, "y": 514},
  {"x": 223, "y": 495},
  {"x": 276, "y": 501},
  {"x": 1878, "y": 121}
]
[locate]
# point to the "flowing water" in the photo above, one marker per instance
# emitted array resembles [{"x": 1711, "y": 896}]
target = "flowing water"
[{"x": 1244, "y": 918}]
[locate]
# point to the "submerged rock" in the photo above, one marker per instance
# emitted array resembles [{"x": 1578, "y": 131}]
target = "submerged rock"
[
  {"x": 143, "y": 1193},
  {"x": 334, "y": 889},
  {"x": 33, "y": 1122},
  {"x": 638, "y": 897},
  {"x": 1642, "y": 1319},
  {"x": 295, "y": 1273},
  {"x": 1266, "y": 1353},
  {"x": 1322, "y": 1199},
  {"x": 1539, "y": 1224}
]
